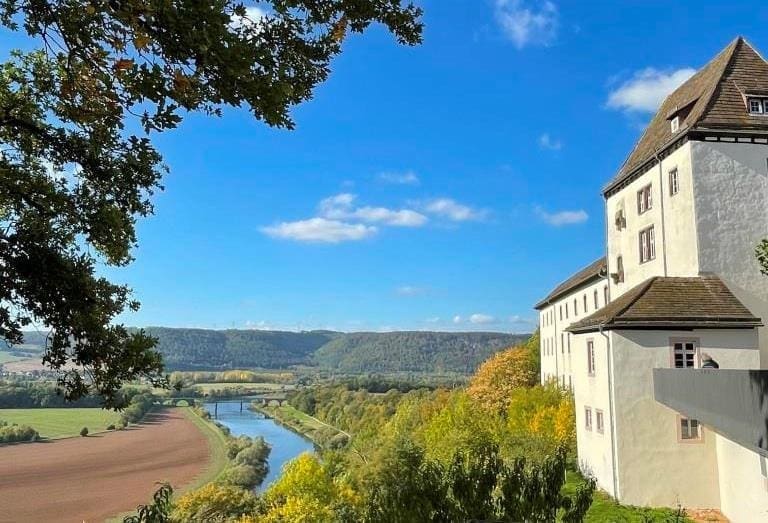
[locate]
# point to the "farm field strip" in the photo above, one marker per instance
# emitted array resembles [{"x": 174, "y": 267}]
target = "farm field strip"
[
  {"x": 61, "y": 422},
  {"x": 94, "y": 478}
]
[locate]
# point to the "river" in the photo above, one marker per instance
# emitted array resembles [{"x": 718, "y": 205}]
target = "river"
[{"x": 286, "y": 445}]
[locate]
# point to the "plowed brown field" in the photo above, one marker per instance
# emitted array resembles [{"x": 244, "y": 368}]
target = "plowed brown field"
[{"x": 90, "y": 479}]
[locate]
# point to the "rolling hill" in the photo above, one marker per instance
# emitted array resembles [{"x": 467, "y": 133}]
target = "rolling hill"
[{"x": 359, "y": 352}]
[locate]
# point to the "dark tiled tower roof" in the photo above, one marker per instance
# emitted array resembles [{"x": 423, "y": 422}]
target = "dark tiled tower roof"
[{"x": 715, "y": 98}]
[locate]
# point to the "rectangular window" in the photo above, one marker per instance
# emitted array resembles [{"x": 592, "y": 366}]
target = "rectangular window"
[
  {"x": 690, "y": 429},
  {"x": 647, "y": 245},
  {"x": 562, "y": 343},
  {"x": 585, "y": 304},
  {"x": 674, "y": 182},
  {"x": 575, "y": 307},
  {"x": 685, "y": 354},
  {"x": 619, "y": 270},
  {"x": 597, "y": 302},
  {"x": 599, "y": 421},
  {"x": 765, "y": 106},
  {"x": 675, "y": 124},
  {"x": 566, "y": 311},
  {"x": 621, "y": 221},
  {"x": 587, "y": 418},
  {"x": 590, "y": 357},
  {"x": 561, "y": 313},
  {"x": 756, "y": 106},
  {"x": 644, "y": 200},
  {"x": 605, "y": 295}
]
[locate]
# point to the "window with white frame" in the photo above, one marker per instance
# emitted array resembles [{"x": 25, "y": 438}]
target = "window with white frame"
[
  {"x": 562, "y": 342},
  {"x": 644, "y": 199},
  {"x": 561, "y": 313},
  {"x": 587, "y": 418},
  {"x": 675, "y": 124},
  {"x": 758, "y": 106},
  {"x": 685, "y": 354},
  {"x": 674, "y": 182},
  {"x": 566, "y": 311},
  {"x": 575, "y": 307},
  {"x": 600, "y": 425},
  {"x": 690, "y": 430},
  {"x": 591, "y": 357},
  {"x": 647, "y": 245},
  {"x": 597, "y": 300},
  {"x": 585, "y": 304}
]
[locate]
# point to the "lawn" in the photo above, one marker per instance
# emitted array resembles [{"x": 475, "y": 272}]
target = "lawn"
[
  {"x": 58, "y": 423},
  {"x": 604, "y": 508},
  {"x": 218, "y": 445}
]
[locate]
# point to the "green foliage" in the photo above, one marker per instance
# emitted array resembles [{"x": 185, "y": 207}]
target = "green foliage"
[
  {"x": 475, "y": 486},
  {"x": 13, "y": 433},
  {"x": 248, "y": 462},
  {"x": 158, "y": 511},
  {"x": 74, "y": 179},
  {"x": 214, "y": 503},
  {"x": 761, "y": 251},
  {"x": 433, "y": 352},
  {"x": 139, "y": 406},
  {"x": 412, "y": 351},
  {"x": 84, "y": 431}
]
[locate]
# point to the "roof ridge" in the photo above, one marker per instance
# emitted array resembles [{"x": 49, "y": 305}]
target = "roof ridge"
[{"x": 709, "y": 94}]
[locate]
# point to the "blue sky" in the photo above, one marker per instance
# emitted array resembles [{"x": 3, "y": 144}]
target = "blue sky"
[{"x": 447, "y": 186}]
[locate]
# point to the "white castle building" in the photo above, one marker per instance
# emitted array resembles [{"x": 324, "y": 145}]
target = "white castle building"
[{"x": 633, "y": 333}]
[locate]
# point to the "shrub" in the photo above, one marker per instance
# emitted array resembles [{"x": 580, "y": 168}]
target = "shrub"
[
  {"x": 84, "y": 431},
  {"x": 111, "y": 427},
  {"x": 17, "y": 433}
]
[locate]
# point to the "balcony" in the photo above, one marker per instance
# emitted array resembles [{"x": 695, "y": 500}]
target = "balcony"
[{"x": 733, "y": 403}]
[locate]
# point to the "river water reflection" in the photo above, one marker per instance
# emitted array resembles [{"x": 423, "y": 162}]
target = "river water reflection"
[{"x": 286, "y": 445}]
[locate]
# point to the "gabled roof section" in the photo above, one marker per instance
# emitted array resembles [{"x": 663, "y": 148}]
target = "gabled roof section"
[
  {"x": 594, "y": 271},
  {"x": 713, "y": 98},
  {"x": 672, "y": 303}
]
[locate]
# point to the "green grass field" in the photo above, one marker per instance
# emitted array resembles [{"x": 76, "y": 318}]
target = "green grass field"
[
  {"x": 7, "y": 357},
  {"x": 58, "y": 423}
]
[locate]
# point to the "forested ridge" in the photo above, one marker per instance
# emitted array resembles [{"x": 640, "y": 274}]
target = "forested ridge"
[{"x": 201, "y": 349}]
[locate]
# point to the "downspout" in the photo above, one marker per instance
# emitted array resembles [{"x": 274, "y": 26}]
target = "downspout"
[
  {"x": 611, "y": 411},
  {"x": 663, "y": 220}
]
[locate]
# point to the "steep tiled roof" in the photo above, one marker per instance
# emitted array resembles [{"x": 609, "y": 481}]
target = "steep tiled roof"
[
  {"x": 672, "y": 302},
  {"x": 713, "y": 98},
  {"x": 593, "y": 271}
]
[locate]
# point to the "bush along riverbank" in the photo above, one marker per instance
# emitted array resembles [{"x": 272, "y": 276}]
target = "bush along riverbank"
[{"x": 321, "y": 434}]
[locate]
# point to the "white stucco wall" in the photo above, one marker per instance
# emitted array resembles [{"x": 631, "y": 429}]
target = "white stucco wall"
[
  {"x": 595, "y": 454},
  {"x": 677, "y": 256},
  {"x": 558, "y": 363},
  {"x": 655, "y": 468},
  {"x": 743, "y": 489},
  {"x": 731, "y": 206}
]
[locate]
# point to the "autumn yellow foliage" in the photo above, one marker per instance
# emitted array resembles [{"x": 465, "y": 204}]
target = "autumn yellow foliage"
[{"x": 496, "y": 379}]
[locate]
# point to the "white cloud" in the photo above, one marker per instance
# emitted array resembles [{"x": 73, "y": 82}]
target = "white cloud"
[
  {"x": 341, "y": 207},
  {"x": 481, "y": 319},
  {"x": 453, "y": 210},
  {"x": 647, "y": 88},
  {"x": 410, "y": 290},
  {"x": 457, "y": 319},
  {"x": 560, "y": 218},
  {"x": 434, "y": 319},
  {"x": 528, "y": 23},
  {"x": 320, "y": 230},
  {"x": 549, "y": 143},
  {"x": 253, "y": 17},
  {"x": 521, "y": 320},
  {"x": 403, "y": 178}
]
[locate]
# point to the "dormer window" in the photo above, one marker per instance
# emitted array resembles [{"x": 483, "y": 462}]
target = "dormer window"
[
  {"x": 675, "y": 124},
  {"x": 758, "y": 106}
]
